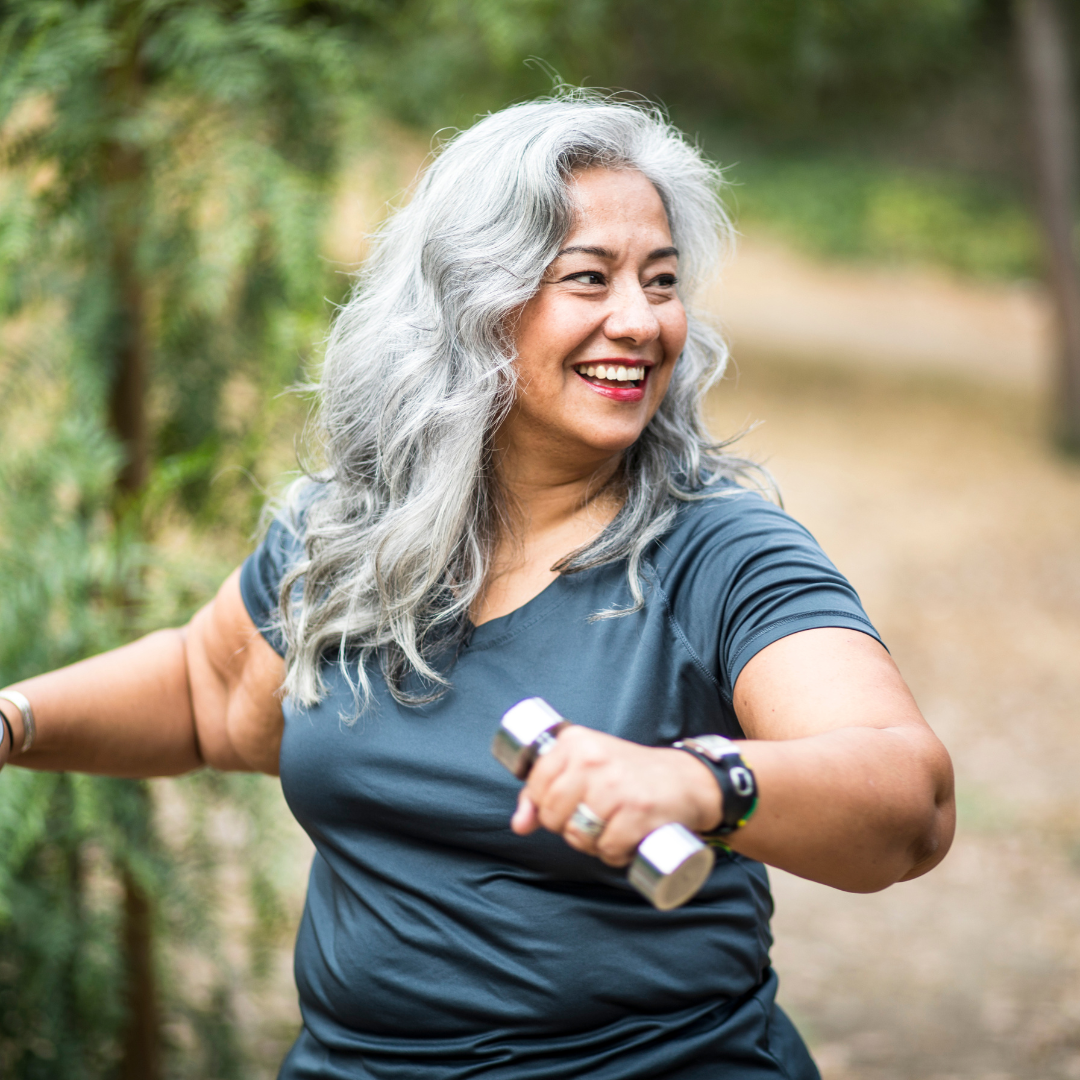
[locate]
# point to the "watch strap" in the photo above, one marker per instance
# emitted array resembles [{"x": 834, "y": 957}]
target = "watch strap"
[{"x": 736, "y": 780}]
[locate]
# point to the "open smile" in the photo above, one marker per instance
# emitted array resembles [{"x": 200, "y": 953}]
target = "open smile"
[{"x": 621, "y": 382}]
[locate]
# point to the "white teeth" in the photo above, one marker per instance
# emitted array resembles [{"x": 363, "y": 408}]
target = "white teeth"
[{"x": 613, "y": 373}]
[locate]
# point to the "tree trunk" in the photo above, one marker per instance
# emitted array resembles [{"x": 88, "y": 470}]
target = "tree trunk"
[
  {"x": 141, "y": 1058},
  {"x": 124, "y": 193},
  {"x": 1043, "y": 45},
  {"x": 127, "y": 398},
  {"x": 125, "y": 171}
]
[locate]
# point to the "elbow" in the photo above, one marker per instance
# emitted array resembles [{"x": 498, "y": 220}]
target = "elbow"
[
  {"x": 932, "y": 842},
  {"x": 908, "y": 861},
  {"x": 921, "y": 836},
  {"x": 933, "y": 825}
]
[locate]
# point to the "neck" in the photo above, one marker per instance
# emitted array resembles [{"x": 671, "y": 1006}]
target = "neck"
[
  {"x": 555, "y": 506},
  {"x": 544, "y": 494}
]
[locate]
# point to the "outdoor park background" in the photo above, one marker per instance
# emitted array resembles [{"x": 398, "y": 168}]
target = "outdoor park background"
[{"x": 183, "y": 188}]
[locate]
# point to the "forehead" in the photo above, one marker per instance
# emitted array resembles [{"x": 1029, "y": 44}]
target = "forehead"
[{"x": 618, "y": 201}]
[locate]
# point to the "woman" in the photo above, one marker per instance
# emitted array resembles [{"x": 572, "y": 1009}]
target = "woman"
[{"x": 521, "y": 499}]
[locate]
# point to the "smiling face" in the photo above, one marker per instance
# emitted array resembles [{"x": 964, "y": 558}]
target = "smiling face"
[{"x": 597, "y": 343}]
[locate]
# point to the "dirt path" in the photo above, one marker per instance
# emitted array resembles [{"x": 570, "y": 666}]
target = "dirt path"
[
  {"x": 959, "y": 528},
  {"x": 908, "y": 320}
]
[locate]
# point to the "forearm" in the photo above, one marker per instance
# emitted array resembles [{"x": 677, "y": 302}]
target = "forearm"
[
  {"x": 124, "y": 713},
  {"x": 855, "y": 808}
]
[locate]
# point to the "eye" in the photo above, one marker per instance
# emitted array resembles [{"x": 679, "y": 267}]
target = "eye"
[
  {"x": 664, "y": 281},
  {"x": 587, "y": 277}
]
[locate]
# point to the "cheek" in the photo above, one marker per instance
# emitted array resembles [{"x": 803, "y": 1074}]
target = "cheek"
[
  {"x": 537, "y": 344},
  {"x": 673, "y": 331},
  {"x": 660, "y": 387}
]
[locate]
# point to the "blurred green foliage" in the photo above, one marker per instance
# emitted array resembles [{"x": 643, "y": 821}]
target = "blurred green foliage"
[
  {"x": 165, "y": 184},
  {"x": 815, "y": 104},
  {"x": 166, "y": 171},
  {"x": 65, "y": 840},
  {"x": 850, "y": 208},
  {"x": 777, "y": 64}
]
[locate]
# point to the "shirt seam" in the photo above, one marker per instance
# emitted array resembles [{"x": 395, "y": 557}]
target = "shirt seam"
[
  {"x": 680, "y": 636},
  {"x": 827, "y": 612}
]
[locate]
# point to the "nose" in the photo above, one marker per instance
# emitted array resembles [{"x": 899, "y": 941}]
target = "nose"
[{"x": 631, "y": 317}]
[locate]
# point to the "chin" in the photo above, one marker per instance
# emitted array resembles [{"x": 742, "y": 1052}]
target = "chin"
[{"x": 611, "y": 442}]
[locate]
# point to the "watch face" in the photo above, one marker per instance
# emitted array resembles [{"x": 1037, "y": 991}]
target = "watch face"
[{"x": 712, "y": 746}]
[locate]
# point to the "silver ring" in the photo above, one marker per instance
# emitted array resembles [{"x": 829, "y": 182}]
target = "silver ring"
[{"x": 587, "y": 821}]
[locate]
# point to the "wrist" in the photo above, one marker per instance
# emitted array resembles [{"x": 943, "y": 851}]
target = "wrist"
[
  {"x": 699, "y": 786},
  {"x": 737, "y": 785}
]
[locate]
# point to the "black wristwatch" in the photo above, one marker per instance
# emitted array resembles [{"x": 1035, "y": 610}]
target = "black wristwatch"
[{"x": 737, "y": 784}]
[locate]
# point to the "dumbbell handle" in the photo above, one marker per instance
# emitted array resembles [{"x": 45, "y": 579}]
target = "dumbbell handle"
[{"x": 670, "y": 864}]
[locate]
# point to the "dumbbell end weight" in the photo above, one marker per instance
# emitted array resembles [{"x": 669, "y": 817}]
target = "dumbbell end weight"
[
  {"x": 525, "y": 730},
  {"x": 670, "y": 866}
]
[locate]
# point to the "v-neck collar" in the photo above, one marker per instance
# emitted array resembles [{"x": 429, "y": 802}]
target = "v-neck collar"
[{"x": 503, "y": 627}]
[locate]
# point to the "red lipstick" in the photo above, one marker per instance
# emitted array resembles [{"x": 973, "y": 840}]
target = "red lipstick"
[{"x": 618, "y": 391}]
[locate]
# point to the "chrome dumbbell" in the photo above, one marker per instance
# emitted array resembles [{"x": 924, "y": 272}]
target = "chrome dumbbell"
[{"x": 671, "y": 863}]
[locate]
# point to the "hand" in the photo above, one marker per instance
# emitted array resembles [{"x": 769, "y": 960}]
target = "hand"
[{"x": 634, "y": 788}]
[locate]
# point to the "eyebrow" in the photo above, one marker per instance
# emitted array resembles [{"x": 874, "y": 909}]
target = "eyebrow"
[{"x": 604, "y": 253}]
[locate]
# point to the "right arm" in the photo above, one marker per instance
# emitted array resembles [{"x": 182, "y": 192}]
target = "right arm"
[{"x": 173, "y": 701}]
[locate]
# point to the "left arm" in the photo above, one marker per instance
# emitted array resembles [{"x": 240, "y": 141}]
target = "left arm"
[{"x": 855, "y": 790}]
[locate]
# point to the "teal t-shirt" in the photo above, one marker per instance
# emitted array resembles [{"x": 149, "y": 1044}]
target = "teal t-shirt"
[{"x": 438, "y": 945}]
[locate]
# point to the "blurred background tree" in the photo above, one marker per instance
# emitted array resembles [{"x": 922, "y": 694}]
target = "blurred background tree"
[
  {"x": 1046, "y": 65},
  {"x": 165, "y": 175},
  {"x": 168, "y": 169}
]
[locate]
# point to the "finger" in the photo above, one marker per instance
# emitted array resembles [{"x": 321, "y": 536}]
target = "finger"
[
  {"x": 578, "y": 811},
  {"x": 525, "y": 819},
  {"x": 577, "y": 750},
  {"x": 545, "y": 769},
  {"x": 561, "y": 800},
  {"x": 584, "y": 829},
  {"x": 618, "y": 843}
]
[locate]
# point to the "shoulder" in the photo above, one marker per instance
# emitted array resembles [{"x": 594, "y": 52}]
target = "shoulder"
[
  {"x": 737, "y": 573},
  {"x": 726, "y": 528},
  {"x": 281, "y": 549}
]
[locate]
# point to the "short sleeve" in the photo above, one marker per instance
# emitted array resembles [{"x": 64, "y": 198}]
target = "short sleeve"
[
  {"x": 744, "y": 574},
  {"x": 261, "y": 575}
]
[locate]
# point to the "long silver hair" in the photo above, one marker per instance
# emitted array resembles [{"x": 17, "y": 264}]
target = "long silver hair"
[{"x": 399, "y": 527}]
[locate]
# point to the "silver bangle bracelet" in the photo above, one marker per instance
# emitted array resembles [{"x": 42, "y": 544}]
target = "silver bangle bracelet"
[{"x": 23, "y": 705}]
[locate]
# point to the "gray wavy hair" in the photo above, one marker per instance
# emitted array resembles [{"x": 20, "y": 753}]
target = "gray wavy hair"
[{"x": 399, "y": 528}]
